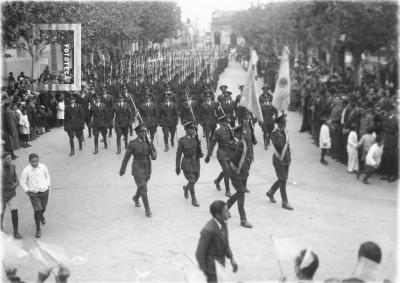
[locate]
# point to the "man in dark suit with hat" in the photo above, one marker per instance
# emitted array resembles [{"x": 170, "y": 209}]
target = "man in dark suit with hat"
[
  {"x": 223, "y": 137},
  {"x": 190, "y": 163},
  {"x": 123, "y": 119},
  {"x": 238, "y": 172},
  {"x": 108, "y": 101},
  {"x": 143, "y": 152},
  {"x": 149, "y": 112},
  {"x": 214, "y": 242},
  {"x": 168, "y": 119},
  {"x": 74, "y": 122},
  {"x": 99, "y": 120},
  {"x": 281, "y": 161},
  {"x": 208, "y": 117}
]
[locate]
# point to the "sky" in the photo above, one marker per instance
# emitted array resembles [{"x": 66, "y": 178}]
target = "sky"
[{"x": 202, "y": 9}]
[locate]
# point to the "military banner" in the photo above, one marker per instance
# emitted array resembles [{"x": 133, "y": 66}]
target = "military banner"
[{"x": 281, "y": 95}]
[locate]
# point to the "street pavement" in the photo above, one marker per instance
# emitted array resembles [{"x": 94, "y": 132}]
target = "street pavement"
[{"x": 91, "y": 213}]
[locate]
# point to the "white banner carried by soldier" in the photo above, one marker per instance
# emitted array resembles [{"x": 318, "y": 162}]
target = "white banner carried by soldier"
[{"x": 281, "y": 95}]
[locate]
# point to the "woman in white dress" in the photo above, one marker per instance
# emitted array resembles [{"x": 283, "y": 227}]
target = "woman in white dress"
[
  {"x": 352, "y": 152},
  {"x": 60, "y": 111}
]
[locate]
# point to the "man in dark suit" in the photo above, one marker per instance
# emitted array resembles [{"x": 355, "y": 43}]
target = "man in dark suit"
[
  {"x": 190, "y": 147},
  {"x": 74, "y": 121},
  {"x": 123, "y": 119},
  {"x": 168, "y": 119},
  {"x": 143, "y": 152},
  {"x": 99, "y": 120},
  {"x": 281, "y": 161},
  {"x": 214, "y": 242}
]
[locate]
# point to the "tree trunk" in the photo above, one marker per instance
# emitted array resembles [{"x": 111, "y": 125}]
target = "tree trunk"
[{"x": 357, "y": 63}]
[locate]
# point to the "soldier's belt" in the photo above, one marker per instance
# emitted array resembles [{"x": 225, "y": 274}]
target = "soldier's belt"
[
  {"x": 142, "y": 158},
  {"x": 190, "y": 156}
]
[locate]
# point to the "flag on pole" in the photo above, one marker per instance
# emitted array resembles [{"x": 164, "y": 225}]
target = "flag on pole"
[
  {"x": 249, "y": 98},
  {"x": 281, "y": 95}
]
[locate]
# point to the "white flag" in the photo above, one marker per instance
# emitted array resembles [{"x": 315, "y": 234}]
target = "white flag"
[
  {"x": 281, "y": 95},
  {"x": 249, "y": 97}
]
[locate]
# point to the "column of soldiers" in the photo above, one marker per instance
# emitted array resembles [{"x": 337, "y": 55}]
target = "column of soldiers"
[{"x": 146, "y": 106}]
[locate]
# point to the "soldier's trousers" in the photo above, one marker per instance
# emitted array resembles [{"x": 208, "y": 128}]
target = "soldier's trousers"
[
  {"x": 209, "y": 131},
  {"x": 88, "y": 124},
  {"x": 152, "y": 131},
  {"x": 240, "y": 188},
  {"x": 224, "y": 174},
  {"x": 96, "y": 131},
  {"x": 78, "y": 134},
  {"x": 280, "y": 184},
  {"x": 167, "y": 131},
  {"x": 141, "y": 191},
  {"x": 119, "y": 132},
  {"x": 267, "y": 130},
  {"x": 192, "y": 178}
]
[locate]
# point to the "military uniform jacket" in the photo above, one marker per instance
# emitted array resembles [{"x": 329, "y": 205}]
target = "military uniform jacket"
[
  {"x": 141, "y": 164},
  {"x": 229, "y": 107},
  {"x": 223, "y": 137},
  {"x": 236, "y": 150},
  {"x": 186, "y": 115},
  {"x": 123, "y": 115},
  {"x": 239, "y": 110},
  {"x": 149, "y": 114},
  {"x": 168, "y": 114},
  {"x": 208, "y": 113},
  {"x": 263, "y": 98},
  {"x": 268, "y": 112},
  {"x": 74, "y": 118},
  {"x": 278, "y": 139},
  {"x": 213, "y": 245},
  {"x": 99, "y": 115},
  {"x": 188, "y": 146}
]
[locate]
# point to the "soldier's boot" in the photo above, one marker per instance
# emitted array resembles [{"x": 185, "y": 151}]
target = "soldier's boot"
[
  {"x": 136, "y": 197},
  {"x": 227, "y": 188},
  {"x": 146, "y": 205},
  {"x": 126, "y": 142},
  {"x": 118, "y": 144},
  {"x": 90, "y": 131},
  {"x": 265, "y": 141},
  {"x": 105, "y": 142},
  {"x": 172, "y": 141},
  {"x": 272, "y": 190},
  {"x": 185, "y": 192},
  {"x": 166, "y": 147},
  {"x": 285, "y": 202},
  {"x": 14, "y": 219},
  {"x": 80, "y": 143},
  {"x": 110, "y": 132},
  {"x": 218, "y": 180},
  {"x": 72, "y": 146},
  {"x": 193, "y": 196},
  {"x": 96, "y": 145},
  {"x": 1, "y": 219}
]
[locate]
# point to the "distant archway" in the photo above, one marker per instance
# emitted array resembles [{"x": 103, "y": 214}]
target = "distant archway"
[
  {"x": 233, "y": 39},
  {"x": 217, "y": 38}
]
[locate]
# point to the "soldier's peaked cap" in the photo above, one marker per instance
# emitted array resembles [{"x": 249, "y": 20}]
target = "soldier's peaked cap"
[
  {"x": 223, "y": 86},
  {"x": 189, "y": 125},
  {"x": 140, "y": 128}
]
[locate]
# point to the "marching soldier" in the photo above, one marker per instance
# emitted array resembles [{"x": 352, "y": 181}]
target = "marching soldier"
[
  {"x": 143, "y": 152},
  {"x": 168, "y": 120},
  {"x": 208, "y": 117},
  {"x": 238, "y": 173},
  {"x": 266, "y": 95},
  {"x": 128, "y": 97},
  {"x": 269, "y": 113},
  {"x": 240, "y": 110},
  {"x": 188, "y": 106},
  {"x": 74, "y": 121},
  {"x": 190, "y": 147},
  {"x": 123, "y": 119},
  {"x": 86, "y": 101},
  {"x": 99, "y": 120},
  {"x": 281, "y": 161},
  {"x": 228, "y": 107},
  {"x": 108, "y": 101},
  {"x": 250, "y": 139},
  {"x": 223, "y": 137},
  {"x": 149, "y": 113}
]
